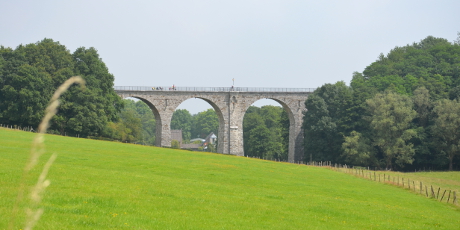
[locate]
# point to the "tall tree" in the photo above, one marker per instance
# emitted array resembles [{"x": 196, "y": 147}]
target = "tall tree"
[
  {"x": 447, "y": 128},
  {"x": 358, "y": 150},
  {"x": 266, "y": 132},
  {"x": 325, "y": 122},
  {"x": 391, "y": 116},
  {"x": 25, "y": 95},
  {"x": 92, "y": 108}
]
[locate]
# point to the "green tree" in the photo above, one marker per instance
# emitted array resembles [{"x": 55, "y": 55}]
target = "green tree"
[
  {"x": 136, "y": 124},
  {"x": 92, "y": 108},
  {"x": 25, "y": 95},
  {"x": 182, "y": 119},
  {"x": 447, "y": 128},
  {"x": 325, "y": 122},
  {"x": 391, "y": 116},
  {"x": 259, "y": 139},
  {"x": 358, "y": 150},
  {"x": 265, "y": 132},
  {"x": 432, "y": 62},
  {"x": 175, "y": 144},
  {"x": 424, "y": 156},
  {"x": 30, "y": 73},
  {"x": 204, "y": 123}
]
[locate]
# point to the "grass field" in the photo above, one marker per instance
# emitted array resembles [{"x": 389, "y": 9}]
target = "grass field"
[{"x": 107, "y": 185}]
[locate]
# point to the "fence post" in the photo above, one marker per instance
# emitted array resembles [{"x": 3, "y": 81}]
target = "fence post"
[
  {"x": 455, "y": 198},
  {"x": 420, "y": 187},
  {"x": 437, "y": 196},
  {"x": 448, "y": 199},
  {"x": 443, "y": 195}
]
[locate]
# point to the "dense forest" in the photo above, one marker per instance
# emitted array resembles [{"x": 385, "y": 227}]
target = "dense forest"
[
  {"x": 402, "y": 112},
  {"x": 31, "y": 73}
]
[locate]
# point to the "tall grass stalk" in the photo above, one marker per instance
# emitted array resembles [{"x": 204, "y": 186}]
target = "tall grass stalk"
[{"x": 33, "y": 212}]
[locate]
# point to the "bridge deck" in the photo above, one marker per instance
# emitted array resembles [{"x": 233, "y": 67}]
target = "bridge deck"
[{"x": 212, "y": 89}]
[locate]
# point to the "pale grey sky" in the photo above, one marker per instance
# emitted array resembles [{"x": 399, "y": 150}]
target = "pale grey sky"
[{"x": 269, "y": 43}]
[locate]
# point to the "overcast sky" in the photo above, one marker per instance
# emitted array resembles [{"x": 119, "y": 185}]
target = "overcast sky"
[{"x": 259, "y": 43}]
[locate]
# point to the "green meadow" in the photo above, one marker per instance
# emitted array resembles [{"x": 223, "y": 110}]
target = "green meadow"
[{"x": 108, "y": 185}]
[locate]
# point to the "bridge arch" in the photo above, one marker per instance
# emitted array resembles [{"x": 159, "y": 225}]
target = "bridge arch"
[
  {"x": 211, "y": 101},
  {"x": 294, "y": 108},
  {"x": 158, "y": 119}
]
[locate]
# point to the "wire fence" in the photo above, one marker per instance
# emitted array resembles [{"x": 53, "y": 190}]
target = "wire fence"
[
  {"x": 17, "y": 127},
  {"x": 430, "y": 191},
  {"x": 212, "y": 89}
]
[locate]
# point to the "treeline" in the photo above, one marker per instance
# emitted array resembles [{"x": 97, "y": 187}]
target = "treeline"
[
  {"x": 31, "y": 73},
  {"x": 402, "y": 112}
]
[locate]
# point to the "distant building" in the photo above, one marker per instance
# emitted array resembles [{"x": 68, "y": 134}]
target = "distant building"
[{"x": 210, "y": 139}]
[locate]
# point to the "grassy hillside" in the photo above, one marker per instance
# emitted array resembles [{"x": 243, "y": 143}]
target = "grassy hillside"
[
  {"x": 106, "y": 185},
  {"x": 445, "y": 180}
]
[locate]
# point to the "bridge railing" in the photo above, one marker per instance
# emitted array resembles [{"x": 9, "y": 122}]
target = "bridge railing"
[{"x": 212, "y": 89}]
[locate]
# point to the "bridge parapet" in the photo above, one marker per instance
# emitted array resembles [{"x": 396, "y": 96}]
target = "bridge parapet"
[{"x": 213, "y": 89}]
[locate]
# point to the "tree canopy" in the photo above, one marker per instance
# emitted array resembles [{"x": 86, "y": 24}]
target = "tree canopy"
[
  {"x": 29, "y": 75},
  {"x": 393, "y": 114}
]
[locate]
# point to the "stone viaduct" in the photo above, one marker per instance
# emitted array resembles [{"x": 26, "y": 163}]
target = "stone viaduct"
[{"x": 230, "y": 105}]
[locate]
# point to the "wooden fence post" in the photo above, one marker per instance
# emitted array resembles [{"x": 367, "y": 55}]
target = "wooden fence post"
[
  {"x": 420, "y": 187},
  {"x": 454, "y": 201},
  {"x": 437, "y": 196},
  {"x": 432, "y": 192},
  {"x": 443, "y": 195}
]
